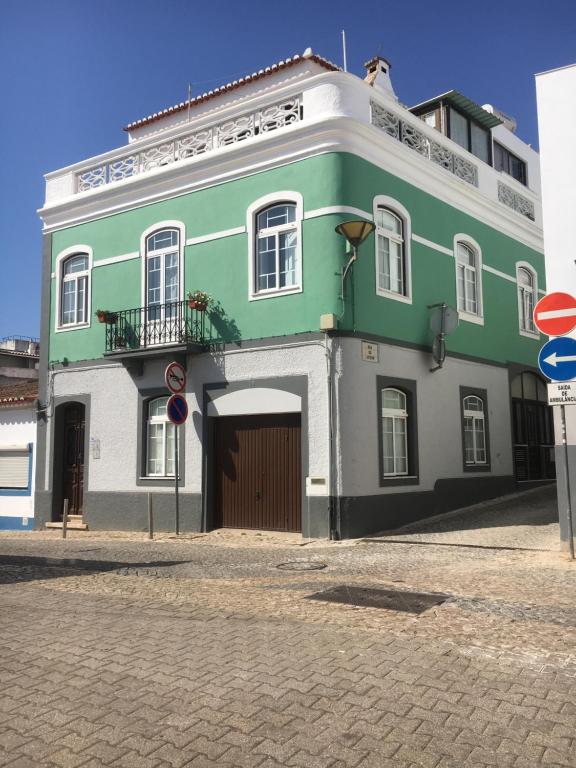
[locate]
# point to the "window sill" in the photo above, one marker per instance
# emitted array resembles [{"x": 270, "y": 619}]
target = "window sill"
[
  {"x": 71, "y": 327},
  {"x": 476, "y": 468},
  {"x": 274, "y": 294},
  {"x": 386, "y": 482},
  {"x": 158, "y": 482},
  {"x": 529, "y": 334},
  {"x": 469, "y": 318},
  {"x": 392, "y": 295}
]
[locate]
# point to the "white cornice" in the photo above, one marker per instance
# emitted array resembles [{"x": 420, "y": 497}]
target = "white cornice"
[{"x": 291, "y": 144}]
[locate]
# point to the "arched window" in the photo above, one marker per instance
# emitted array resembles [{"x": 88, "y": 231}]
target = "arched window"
[
  {"x": 468, "y": 279},
  {"x": 162, "y": 272},
  {"x": 276, "y": 265},
  {"x": 74, "y": 290},
  {"x": 159, "y": 440},
  {"x": 394, "y": 433},
  {"x": 390, "y": 252},
  {"x": 392, "y": 239},
  {"x": 526, "y": 280},
  {"x": 475, "y": 452}
]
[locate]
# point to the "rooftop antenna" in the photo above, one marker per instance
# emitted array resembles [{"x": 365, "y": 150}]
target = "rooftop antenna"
[
  {"x": 344, "y": 51},
  {"x": 189, "y": 99}
]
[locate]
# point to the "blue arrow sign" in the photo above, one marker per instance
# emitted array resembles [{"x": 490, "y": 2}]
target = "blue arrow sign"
[
  {"x": 557, "y": 359},
  {"x": 177, "y": 409}
]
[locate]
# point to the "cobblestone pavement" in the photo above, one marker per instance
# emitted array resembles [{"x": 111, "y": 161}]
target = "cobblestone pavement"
[{"x": 207, "y": 651}]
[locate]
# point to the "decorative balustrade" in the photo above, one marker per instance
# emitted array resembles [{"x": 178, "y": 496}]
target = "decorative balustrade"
[
  {"x": 270, "y": 118},
  {"x": 158, "y": 324},
  {"x": 417, "y": 140},
  {"x": 515, "y": 200}
]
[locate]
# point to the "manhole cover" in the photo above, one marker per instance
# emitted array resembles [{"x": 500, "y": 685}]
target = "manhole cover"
[
  {"x": 391, "y": 599},
  {"x": 302, "y": 565}
]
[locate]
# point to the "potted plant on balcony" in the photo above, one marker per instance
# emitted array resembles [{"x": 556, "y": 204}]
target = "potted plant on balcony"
[
  {"x": 104, "y": 316},
  {"x": 199, "y": 300}
]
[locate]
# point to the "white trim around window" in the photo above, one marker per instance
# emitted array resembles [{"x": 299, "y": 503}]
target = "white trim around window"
[
  {"x": 74, "y": 250},
  {"x": 402, "y": 239},
  {"x": 469, "y": 299},
  {"x": 527, "y": 298},
  {"x": 158, "y": 227},
  {"x": 257, "y": 207}
]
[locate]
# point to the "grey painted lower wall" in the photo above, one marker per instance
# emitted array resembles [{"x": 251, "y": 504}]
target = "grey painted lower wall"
[
  {"x": 128, "y": 511},
  {"x": 316, "y": 517},
  {"x": 561, "y": 491},
  {"x": 363, "y": 515}
]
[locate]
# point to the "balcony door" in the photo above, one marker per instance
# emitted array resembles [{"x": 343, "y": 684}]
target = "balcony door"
[{"x": 163, "y": 308}]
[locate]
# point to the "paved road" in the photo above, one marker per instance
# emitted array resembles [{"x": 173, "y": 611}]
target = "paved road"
[{"x": 209, "y": 651}]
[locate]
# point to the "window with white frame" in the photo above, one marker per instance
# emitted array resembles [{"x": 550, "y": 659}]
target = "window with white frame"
[
  {"x": 468, "y": 279},
  {"x": 394, "y": 433},
  {"x": 526, "y": 280},
  {"x": 276, "y": 265},
  {"x": 15, "y": 468},
  {"x": 74, "y": 288},
  {"x": 162, "y": 274},
  {"x": 390, "y": 252},
  {"x": 474, "y": 427},
  {"x": 159, "y": 440}
]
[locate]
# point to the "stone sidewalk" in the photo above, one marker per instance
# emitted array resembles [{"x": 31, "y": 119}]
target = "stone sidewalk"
[{"x": 210, "y": 652}]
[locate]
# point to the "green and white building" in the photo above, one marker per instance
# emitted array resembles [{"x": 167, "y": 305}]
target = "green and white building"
[{"x": 313, "y": 403}]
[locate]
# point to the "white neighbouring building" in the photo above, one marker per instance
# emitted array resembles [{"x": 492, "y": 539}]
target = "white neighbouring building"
[
  {"x": 555, "y": 92},
  {"x": 17, "y": 455}
]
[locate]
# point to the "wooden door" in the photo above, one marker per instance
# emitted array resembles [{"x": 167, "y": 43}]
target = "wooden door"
[
  {"x": 73, "y": 464},
  {"x": 257, "y": 472}
]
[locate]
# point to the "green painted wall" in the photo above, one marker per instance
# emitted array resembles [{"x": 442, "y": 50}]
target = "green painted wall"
[
  {"x": 434, "y": 273},
  {"x": 221, "y": 266}
]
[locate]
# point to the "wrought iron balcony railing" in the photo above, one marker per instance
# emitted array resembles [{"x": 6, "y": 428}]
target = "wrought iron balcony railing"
[{"x": 154, "y": 325}]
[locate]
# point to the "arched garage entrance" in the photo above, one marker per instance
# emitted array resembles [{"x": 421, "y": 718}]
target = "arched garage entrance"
[{"x": 256, "y": 459}]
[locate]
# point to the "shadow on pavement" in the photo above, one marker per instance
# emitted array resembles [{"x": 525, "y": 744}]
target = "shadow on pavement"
[{"x": 16, "y": 568}]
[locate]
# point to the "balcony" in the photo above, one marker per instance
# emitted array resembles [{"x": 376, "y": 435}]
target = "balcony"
[{"x": 154, "y": 330}]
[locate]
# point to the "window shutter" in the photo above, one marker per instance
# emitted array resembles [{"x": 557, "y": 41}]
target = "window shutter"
[{"x": 14, "y": 465}]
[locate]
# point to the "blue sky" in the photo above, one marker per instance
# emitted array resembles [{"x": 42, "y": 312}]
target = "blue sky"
[{"x": 74, "y": 72}]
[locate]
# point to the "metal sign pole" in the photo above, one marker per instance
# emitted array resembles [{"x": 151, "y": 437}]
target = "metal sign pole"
[
  {"x": 567, "y": 483},
  {"x": 176, "y": 479}
]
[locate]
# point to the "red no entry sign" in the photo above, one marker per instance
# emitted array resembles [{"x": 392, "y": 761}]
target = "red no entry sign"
[{"x": 555, "y": 314}]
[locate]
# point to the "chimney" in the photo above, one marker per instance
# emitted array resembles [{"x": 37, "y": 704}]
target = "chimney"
[{"x": 378, "y": 76}]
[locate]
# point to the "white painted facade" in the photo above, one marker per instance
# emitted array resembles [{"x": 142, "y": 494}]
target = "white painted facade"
[
  {"x": 114, "y": 408},
  {"x": 439, "y": 443},
  {"x": 18, "y": 428},
  {"x": 336, "y": 117}
]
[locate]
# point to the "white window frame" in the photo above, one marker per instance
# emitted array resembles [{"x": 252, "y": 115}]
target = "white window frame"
[
  {"x": 396, "y": 414},
  {"x": 276, "y": 198},
  {"x": 478, "y": 316},
  {"x": 476, "y": 416},
  {"x": 158, "y": 227},
  {"x": 74, "y": 250},
  {"x": 165, "y": 422},
  {"x": 532, "y": 331},
  {"x": 392, "y": 205}
]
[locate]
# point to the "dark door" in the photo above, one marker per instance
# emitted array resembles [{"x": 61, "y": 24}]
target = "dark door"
[
  {"x": 533, "y": 430},
  {"x": 73, "y": 465},
  {"x": 257, "y": 472}
]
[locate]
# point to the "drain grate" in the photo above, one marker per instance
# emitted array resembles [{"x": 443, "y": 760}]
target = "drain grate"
[
  {"x": 302, "y": 565},
  {"x": 390, "y": 599}
]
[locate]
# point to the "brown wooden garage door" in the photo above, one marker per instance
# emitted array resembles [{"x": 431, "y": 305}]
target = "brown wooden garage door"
[{"x": 257, "y": 476}]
